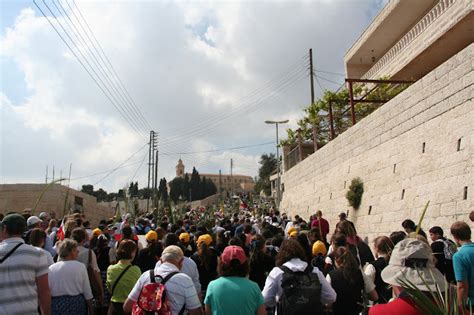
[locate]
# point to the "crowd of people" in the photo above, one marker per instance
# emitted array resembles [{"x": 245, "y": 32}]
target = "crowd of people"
[{"x": 246, "y": 263}]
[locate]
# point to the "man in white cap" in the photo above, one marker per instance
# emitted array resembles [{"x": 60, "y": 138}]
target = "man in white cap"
[
  {"x": 411, "y": 261},
  {"x": 180, "y": 289}
]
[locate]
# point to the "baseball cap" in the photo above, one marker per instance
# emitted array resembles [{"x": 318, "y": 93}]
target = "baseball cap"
[
  {"x": 172, "y": 252},
  {"x": 233, "y": 252},
  {"x": 96, "y": 232},
  {"x": 206, "y": 238},
  {"x": 33, "y": 220},
  {"x": 291, "y": 230},
  {"x": 319, "y": 248},
  {"x": 151, "y": 236},
  {"x": 184, "y": 237},
  {"x": 14, "y": 221},
  {"x": 294, "y": 234}
]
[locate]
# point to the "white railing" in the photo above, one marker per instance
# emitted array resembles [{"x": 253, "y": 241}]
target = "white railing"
[{"x": 416, "y": 30}]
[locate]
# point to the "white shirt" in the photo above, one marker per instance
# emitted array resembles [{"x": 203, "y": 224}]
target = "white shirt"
[
  {"x": 180, "y": 288},
  {"x": 272, "y": 290},
  {"x": 48, "y": 257},
  {"x": 189, "y": 268},
  {"x": 69, "y": 278},
  {"x": 18, "y": 274},
  {"x": 83, "y": 257}
]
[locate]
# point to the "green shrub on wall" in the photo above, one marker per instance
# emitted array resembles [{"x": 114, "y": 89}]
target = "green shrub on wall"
[{"x": 354, "y": 195}]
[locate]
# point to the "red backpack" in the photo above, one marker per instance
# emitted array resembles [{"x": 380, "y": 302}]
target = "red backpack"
[{"x": 153, "y": 299}]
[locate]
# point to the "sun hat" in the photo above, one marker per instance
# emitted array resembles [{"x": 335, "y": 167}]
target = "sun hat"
[
  {"x": 206, "y": 238},
  {"x": 291, "y": 230},
  {"x": 151, "y": 236},
  {"x": 233, "y": 252},
  {"x": 319, "y": 248},
  {"x": 96, "y": 232},
  {"x": 33, "y": 220},
  {"x": 14, "y": 221},
  {"x": 184, "y": 237},
  {"x": 412, "y": 261}
]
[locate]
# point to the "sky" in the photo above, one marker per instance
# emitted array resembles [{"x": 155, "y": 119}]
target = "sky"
[{"x": 205, "y": 75}]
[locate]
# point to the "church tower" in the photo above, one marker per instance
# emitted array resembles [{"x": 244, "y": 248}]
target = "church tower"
[{"x": 180, "y": 169}]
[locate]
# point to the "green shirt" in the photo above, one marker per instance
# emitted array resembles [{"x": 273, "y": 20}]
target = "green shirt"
[
  {"x": 125, "y": 284},
  {"x": 233, "y": 295}
]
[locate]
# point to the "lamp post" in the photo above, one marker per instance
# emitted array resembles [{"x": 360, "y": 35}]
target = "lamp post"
[{"x": 276, "y": 123}]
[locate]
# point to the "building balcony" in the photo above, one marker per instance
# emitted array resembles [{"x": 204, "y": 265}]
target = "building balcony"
[{"x": 430, "y": 32}]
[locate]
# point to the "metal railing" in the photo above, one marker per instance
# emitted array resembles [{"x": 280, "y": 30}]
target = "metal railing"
[{"x": 416, "y": 30}]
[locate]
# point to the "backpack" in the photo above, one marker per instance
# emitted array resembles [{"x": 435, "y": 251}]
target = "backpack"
[
  {"x": 449, "y": 248},
  {"x": 301, "y": 292},
  {"x": 153, "y": 299}
]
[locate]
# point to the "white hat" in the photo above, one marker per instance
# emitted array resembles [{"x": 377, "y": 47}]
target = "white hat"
[
  {"x": 412, "y": 261},
  {"x": 33, "y": 220}
]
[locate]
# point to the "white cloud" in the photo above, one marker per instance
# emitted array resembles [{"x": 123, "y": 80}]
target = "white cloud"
[{"x": 188, "y": 66}]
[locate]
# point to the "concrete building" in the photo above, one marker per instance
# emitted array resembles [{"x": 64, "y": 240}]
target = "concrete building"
[
  {"x": 17, "y": 197},
  {"x": 226, "y": 182},
  {"x": 419, "y": 146}
]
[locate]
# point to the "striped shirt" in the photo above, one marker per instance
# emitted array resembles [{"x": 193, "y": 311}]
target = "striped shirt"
[
  {"x": 18, "y": 273},
  {"x": 180, "y": 288}
]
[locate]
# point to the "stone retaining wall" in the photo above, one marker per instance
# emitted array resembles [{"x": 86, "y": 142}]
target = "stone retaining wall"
[{"x": 419, "y": 145}]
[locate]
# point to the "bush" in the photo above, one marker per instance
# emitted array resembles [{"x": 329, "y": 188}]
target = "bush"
[{"x": 354, "y": 195}]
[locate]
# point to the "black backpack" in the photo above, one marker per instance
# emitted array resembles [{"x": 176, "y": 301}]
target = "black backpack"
[{"x": 301, "y": 292}]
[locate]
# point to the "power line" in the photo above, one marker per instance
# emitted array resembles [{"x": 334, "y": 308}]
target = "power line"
[
  {"x": 101, "y": 66},
  {"x": 246, "y": 110},
  {"x": 83, "y": 61},
  {"x": 120, "y": 165},
  {"x": 218, "y": 150},
  {"x": 138, "y": 168},
  {"x": 256, "y": 98},
  {"x": 104, "y": 172},
  {"x": 101, "y": 54}
]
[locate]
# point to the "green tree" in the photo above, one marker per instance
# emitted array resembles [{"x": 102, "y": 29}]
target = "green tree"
[
  {"x": 163, "y": 190},
  {"x": 194, "y": 185},
  {"x": 88, "y": 189},
  {"x": 268, "y": 165},
  {"x": 176, "y": 189}
]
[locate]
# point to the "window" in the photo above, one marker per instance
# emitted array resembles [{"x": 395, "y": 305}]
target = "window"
[
  {"x": 370, "y": 210},
  {"x": 78, "y": 201},
  {"x": 459, "y": 144},
  {"x": 345, "y": 184},
  {"x": 465, "y": 193},
  {"x": 394, "y": 168},
  {"x": 403, "y": 194},
  {"x": 330, "y": 196},
  {"x": 423, "y": 147}
]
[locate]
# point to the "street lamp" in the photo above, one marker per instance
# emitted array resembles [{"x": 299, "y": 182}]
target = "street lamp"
[{"x": 276, "y": 123}]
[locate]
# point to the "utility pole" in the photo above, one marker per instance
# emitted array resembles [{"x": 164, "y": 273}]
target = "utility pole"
[
  {"x": 220, "y": 184},
  {"x": 311, "y": 74},
  {"x": 53, "y": 173},
  {"x": 149, "y": 171},
  {"x": 231, "y": 179},
  {"x": 276, "y": 123},
  {"x": 156, "y": 178},
  {"x": 46, "y": 178},
  {"x": 152, "y": 173}
]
